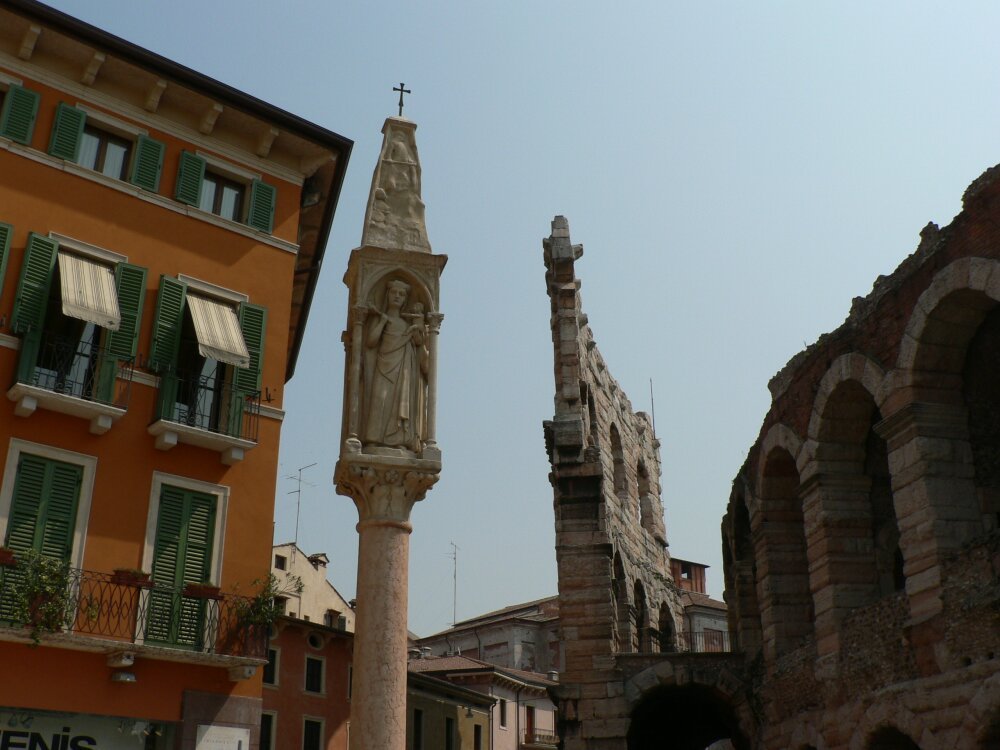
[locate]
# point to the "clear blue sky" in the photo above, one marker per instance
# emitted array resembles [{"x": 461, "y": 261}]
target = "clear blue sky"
[{"x": 737, "y": 173}]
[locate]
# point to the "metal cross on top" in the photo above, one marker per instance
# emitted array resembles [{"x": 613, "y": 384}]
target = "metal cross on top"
[{"x": 402, "y": 90}]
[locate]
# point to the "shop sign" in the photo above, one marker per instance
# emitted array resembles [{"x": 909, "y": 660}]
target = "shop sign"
[{"x": 23, "y": 729}]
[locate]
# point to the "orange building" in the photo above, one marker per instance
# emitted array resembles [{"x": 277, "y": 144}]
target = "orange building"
[{"x": 160, "y": 237}]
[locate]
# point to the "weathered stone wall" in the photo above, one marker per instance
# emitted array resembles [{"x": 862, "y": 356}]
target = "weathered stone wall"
[
  {"x": 874, "y": 484},
  {"x": 614, "y": 571}
]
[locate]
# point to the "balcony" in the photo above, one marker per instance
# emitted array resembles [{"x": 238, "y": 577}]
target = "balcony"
[
  {"x": 706, "y": 642},
  {"x": 74, "y": 376},
  {"x": 536, "y": 739},
  {"x": 208, "y": 412},
  {"x": 112, "y": 613}
]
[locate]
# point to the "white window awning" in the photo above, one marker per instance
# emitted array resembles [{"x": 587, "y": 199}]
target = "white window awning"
[
  {"x": 218, "y": 330},
  {"x": 88, "y": 291}
]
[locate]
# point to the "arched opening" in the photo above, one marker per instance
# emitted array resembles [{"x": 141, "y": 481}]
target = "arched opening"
[
  {"x": 692, "y": 716},
  {"x": 981, "y": 393},
  {"x": 666, "y": 629},
  {"x": 743, "y": 607},
  {"x": 619, "y": 480},
  {"x": 890, "y": 738},
  {"x": 619, "y": 590},
  {"x": 859, "y": 485},
  {"x": 640, "y": 624},
  {"x": 787, "y": 612}
]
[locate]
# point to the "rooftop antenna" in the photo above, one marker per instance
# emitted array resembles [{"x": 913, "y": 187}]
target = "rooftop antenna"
[
  {"x": 298, "y": 500},
  {"x": 652, "y": 407},
  {"x": 454, "y": 584}
]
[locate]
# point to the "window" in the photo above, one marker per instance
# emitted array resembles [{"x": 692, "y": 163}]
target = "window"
[
  {"x": 418, "y": 729},
  {"x": 78, "y": 310},
  {"x": 184, "y": 534},
  {"x": 267, "y": 722},
  {"x": 312, "y": 734},
  {"x": 350, "y": 680},
  {"x": 314, "y": 675},
  {"x": 330, "y": 618},
  {"x": 477, "y": 737},
  {"x": 223, "y": 194},
  {"x": 271, "y": 668},
  {"x": 503, "y": 713},
  {"x": 45, "y": 500},
  {"x": 280, "y": 562},
  {"x": 281, "y": 602},
  {"x": 449, "y": 733},
  {"x": 207, "y": 346},
  {"x": 315, "y": 641},
  {"x": 123, "y": 155},
  {"x": 18, "y": 110}
]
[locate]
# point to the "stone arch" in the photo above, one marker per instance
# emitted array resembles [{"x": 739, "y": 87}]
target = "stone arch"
[
  {"x": 666, "y": 701},
  {"x": 982, "y": 717},
  {"x": 640, "y": 620},
  {"x": 890, "y": 712},
  {"x": 848, "y": 503},
  {"x": 786, "y": 611},
  {"x": 619, "y": 592},
  {"x": 374, "y": 291},
  {"x": 647, "y": 501},
  {"x": 779, "y": 436},
  {"x": 890, "y": 738},
  {"x": 743, "y": 610},
  {"x": 666, "y": 634},
  {"x": 618, "y": 479}
]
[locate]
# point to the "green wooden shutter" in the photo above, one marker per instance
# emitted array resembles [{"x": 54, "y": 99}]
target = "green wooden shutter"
[
  {"x": 167, "y": 324},
  {"x": 6, "y": 230},
  {"x": 182, "y": 554},
  {"x": 253, "y": 322},
  {"x": 131, "y": 282},
  {"x": 190, "y": 175},
  {"x": 31, "y": 301},
  {"x": 262, "y": 200},
  {"x": 43, "y": 507},
  {"x": 147, "y": 164},
  {"x": 67, "y": 130},
  {"x": 17, "y": 118},
  {"x": 33, "y": 286}
]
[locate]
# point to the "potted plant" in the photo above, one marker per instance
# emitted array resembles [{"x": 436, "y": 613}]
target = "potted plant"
[
  {"x": 264, "y": 607},
  {"x": 8, "y": 558},
  {"x": 41, "y": 594},
  {"x": 134, "y": 577},
  {"x": 202, "y": 591}
]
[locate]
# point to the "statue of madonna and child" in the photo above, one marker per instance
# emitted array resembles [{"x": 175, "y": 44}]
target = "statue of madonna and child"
[{"x": 395, "y": 365}]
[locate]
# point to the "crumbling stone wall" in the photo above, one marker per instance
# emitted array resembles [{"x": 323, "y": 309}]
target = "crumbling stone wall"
[
  {"x": 884, "y": 436},
  {"x": 616, "y": 593}
]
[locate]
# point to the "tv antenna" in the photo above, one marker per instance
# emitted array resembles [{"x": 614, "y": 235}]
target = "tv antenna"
[
  {"x": 454, "y": 583},
  {"x": 298, "y": 500}
]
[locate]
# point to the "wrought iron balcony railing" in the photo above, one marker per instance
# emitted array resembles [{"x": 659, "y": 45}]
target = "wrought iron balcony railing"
[
  {"x": 210, "y": 402},
  {"x": 80, "y": 368},
  {"x": 135, "y": 611},
  {"x": 705, "y": 642},
  {"x": 539, "y": 739}
]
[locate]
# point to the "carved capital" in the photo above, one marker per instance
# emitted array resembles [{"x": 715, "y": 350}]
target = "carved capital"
[
  {"x": 385, "y": 489},
  {"x": 434, "y": 321}
]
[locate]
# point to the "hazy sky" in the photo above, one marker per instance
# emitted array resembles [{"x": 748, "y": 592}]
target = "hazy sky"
[{"x": 737, "y": 173}]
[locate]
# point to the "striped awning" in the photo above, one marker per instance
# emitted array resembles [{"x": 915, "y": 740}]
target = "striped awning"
[
  {"x": 88, "y": 291},
  {"x": 218, "y": 330}
]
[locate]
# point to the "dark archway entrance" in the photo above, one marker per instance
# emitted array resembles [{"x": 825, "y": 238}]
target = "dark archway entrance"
[{"x": 688, "y": 717}]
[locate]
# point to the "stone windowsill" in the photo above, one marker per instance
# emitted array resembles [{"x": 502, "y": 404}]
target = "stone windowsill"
[
  {"x": 168, "y": 434},
  {"x": 28, "y": 398}
]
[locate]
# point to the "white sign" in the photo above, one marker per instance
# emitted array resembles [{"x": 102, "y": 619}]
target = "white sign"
[{"x": 213, "y": 737}]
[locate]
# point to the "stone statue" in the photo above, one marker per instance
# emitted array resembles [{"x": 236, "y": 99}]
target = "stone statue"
[{"x": 395, "y": 373}]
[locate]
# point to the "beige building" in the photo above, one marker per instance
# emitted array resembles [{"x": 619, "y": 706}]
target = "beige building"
[{"x": 319, "y": 601}]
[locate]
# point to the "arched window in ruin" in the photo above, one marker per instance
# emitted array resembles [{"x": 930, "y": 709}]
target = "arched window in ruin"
[
  {"x": 890, "y": 738},
  {"x": 619, "y": 591},
  {"x": 854, "y": 459},
  {"x": 645, "y": 497},
  {"x": 787, "y": 610},
  {"x": 619, "y": 481},
  {"x": 743, "y": 606},
  {"x": 666, "y": 630},
  {"x": 981, "y": 393},
  {"x": 640, "y": 622}
]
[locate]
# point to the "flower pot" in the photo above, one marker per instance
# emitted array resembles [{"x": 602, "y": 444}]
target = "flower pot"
[
  {"x": 134, "y": 578},
  {"x": 8, "y": 558},
  {"x": 202, "y": 591}
]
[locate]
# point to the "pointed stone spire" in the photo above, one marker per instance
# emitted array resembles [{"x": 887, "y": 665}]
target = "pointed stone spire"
[{"x": 394, "y": 218}]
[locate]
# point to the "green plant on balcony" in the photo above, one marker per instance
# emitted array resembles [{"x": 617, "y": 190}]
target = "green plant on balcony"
[
  {"x": 265, "y": 607},
  {"x": 41, "y": 594}
]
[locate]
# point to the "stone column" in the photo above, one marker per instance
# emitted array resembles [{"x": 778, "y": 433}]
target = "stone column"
[{"x": 384, "y": 492}]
